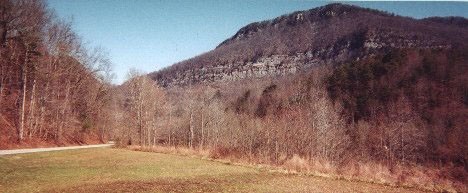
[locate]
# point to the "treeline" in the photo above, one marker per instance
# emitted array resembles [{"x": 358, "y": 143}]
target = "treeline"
[
  {"x": 403, "y": 108},
  {"x": 52, "y": 88}
]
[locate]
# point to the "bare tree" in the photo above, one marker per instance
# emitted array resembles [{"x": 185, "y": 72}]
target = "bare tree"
[{"x": 145, "y": 99}]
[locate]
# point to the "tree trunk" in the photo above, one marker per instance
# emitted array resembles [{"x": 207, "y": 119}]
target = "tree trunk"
[
  {"x": 2, "y": 77},
  {"x": 3, "y": 33},
  {"x": 23, "y": 98},
  {"x": 170, "y": 128},
  {"x": 44, "y": 98},
  {"x": 202, "y": 131},
  {"x": 154, "y": 137},
  {"x": 148, "y": 131},
  {"x": 63, "y": 114},
  {"x": 140, "y": 124},
  {"x": 276, "y": 151},
  {"x": 191, "y": 129},
  {"x": 32, "y": 104},
  {"x": 251, "y": 141}
]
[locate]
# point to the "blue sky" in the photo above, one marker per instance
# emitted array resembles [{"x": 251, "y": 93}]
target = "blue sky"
[{"x": 151, "y": 34}]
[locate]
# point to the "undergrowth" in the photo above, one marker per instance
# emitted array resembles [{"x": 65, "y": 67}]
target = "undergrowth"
[{"x": 411, "y": 176}]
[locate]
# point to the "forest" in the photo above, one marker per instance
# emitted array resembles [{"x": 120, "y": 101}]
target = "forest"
[
  {"x": 397, "y": 117},
  {"x": 53, "y": 88},
  {"x": 403, "y": 114}
]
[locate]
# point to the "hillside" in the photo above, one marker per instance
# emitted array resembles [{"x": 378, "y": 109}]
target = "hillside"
[
  {"x": 331, "y": 34},
  {"x": 337, "y": 88},
  {"x": 53, "y": 90}
]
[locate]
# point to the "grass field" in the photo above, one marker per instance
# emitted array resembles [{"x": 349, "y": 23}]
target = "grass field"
[{"x": 118, "y": 170}]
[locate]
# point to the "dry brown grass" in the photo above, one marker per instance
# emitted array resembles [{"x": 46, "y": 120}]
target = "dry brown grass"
[
  {"x": 172, "y": 150},
  {"x": 428, "y": 179},
  {"x": 118, "y": 170},
  {"x": 297, "y": 163}
]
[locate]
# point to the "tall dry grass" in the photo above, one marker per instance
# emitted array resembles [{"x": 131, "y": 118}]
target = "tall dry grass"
[{"x": 424, "y": 178}]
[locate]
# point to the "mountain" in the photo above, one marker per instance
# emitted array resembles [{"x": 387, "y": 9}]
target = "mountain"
[
  {"x": 330, "y": 34},
  {"x": 339, "y": 83}
]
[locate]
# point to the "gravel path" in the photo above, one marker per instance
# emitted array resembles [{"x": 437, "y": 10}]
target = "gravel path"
[{"x": 19, "y": 151}]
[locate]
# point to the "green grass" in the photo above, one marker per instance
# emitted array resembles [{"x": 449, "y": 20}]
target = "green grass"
[{"x": 118, "y": 170}]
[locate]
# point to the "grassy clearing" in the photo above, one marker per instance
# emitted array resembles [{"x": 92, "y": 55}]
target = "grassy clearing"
[{"x": 118, "y": 170}]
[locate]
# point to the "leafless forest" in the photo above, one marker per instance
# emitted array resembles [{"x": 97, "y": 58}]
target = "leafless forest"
[
  {"x": 398, "y": 116},
  {"x": 52, "y": 87}
]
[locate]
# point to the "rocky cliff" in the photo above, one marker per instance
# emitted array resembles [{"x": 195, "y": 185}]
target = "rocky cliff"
[{"x": 326, "y": 35}]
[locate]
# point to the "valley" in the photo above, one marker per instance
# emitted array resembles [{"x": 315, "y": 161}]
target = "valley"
[{"x": 351, "y": 93}]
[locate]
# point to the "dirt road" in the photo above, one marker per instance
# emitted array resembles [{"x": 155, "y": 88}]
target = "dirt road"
[{"x": 33, "y": 150}]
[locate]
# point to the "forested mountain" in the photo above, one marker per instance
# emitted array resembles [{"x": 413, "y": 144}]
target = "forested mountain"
[
  {"x": 336, "y": 89},
  {"x": 325, "y": 35},
  {"x": 52, "y": 89}
]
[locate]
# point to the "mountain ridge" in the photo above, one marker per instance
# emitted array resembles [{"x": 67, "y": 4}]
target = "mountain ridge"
[{"x": 331, "y": 34}]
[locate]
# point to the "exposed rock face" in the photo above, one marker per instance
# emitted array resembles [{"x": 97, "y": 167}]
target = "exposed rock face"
[
  {"x": 265, "y": 66},
  {"x": 332, "y": 34}
]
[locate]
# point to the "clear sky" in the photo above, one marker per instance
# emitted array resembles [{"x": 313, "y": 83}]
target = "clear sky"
[{"x": 151, "y": 34}]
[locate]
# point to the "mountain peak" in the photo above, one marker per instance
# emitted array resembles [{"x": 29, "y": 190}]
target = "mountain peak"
[
  {"x": 331, "y": 34},
  {"x": 312, "y": 15},
  {"x": 335, "y": 9}
]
